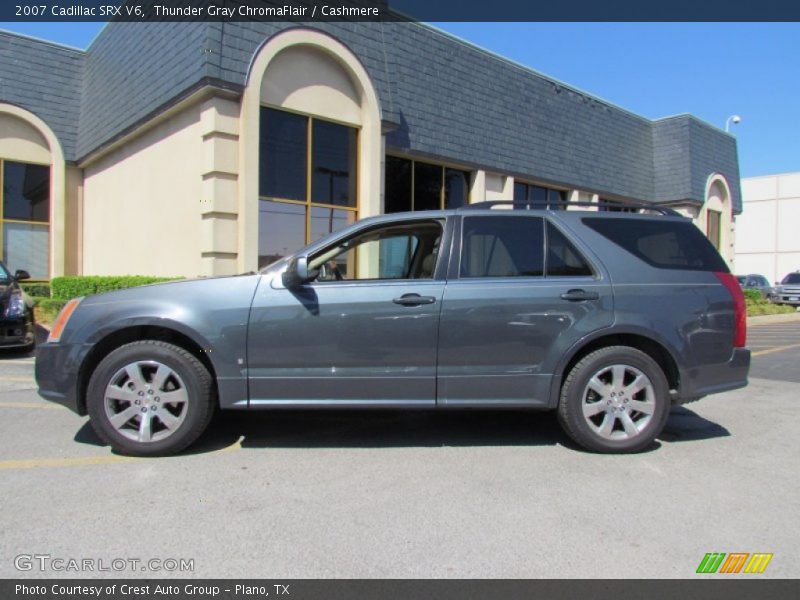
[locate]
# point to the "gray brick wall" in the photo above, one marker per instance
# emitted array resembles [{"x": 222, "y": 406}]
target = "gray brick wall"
[
  {"x": 671, "y": 159},
  {"x": 45, "y": 79},
  {"x": 445, "y": 98},
  {"x": 713, "y": 151},
  {"x": 686, "y": 151},
  {"x": 458, "y": 101}
]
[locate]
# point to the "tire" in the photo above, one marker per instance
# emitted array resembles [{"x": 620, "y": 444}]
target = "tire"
[
  {"x": 134, "y": 382},
  {"x": 606, "y": 407}
]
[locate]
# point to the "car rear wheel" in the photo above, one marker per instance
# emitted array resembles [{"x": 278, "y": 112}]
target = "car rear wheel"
[
  {"x": 150, "y": 398},
  {"x": 614, "y": 400}
]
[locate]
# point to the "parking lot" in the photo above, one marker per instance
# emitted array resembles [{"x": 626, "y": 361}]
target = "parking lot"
[{"x": 394, "y": 494}]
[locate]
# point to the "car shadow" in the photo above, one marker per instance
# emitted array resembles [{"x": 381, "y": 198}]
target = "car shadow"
[
  {"x": 399, "y": 429},
  {"x": 369, "y": 429},
  {"x": 685, "y": 425}
]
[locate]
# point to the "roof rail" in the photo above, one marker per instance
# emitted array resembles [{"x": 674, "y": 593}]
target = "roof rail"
[{"x": 558, "y": 205}]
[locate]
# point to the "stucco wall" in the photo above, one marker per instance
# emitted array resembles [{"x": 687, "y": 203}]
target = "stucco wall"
[{"x": 141, "y": 212}]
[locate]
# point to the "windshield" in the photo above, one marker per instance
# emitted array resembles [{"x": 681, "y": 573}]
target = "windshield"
[
  {"x": 791, "y": 278},
  {"x": 740, "y": 279}
]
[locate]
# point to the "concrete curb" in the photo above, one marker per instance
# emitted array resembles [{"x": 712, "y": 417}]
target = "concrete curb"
[{"x": 773, "y": 319}]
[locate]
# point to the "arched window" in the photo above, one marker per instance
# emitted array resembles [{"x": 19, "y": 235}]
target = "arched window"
[
  {"x": 31, "y": 188},
  {"x": 311, "y": 144}
]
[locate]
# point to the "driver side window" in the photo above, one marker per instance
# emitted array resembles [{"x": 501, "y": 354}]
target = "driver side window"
[{"x": 395, "y": 251}]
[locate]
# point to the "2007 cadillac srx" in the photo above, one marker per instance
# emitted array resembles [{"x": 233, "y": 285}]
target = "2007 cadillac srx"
[{"x": 607, "y": 317}]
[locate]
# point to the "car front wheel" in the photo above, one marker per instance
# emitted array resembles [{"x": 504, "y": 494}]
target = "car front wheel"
[
  {"x": 614, "y": 400},
  {"x": 150, "y": 398}
]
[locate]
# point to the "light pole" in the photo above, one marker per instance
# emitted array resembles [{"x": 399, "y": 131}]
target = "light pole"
[{"x": 735, "y": 119}]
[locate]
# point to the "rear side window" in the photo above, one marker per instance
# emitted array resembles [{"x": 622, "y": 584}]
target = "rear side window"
[
  {"x": 503, "y": 247},
  {"x": 563, "y": 259},
  {"x": 663, "y": 244}
]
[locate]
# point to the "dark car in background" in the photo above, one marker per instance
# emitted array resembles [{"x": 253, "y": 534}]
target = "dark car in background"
[
  {"x": 17, "y": 328},
  {"x": 759, "y": 283},
  {"x": 788, "y": 290},
  {"x": 607, "y": 318}
]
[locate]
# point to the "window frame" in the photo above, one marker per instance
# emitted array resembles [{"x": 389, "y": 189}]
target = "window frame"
[
  {"x": 454, "y": 271},
  {"x": 443, "y": 166},
  {"x": 48, "y": 224},
  {"x": 531, "y": 184},
  {"x": 308, "y": 203},
  {"x": 442, "y": 259}
]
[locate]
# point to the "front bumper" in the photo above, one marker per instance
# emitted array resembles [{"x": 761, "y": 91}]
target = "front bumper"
[
  {"x": 57, "y": 373},
  {"x": 16, "y": 332},
  {"x": 793, "y": 299}
]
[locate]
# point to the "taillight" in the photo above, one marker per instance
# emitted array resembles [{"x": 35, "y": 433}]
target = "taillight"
[{"x": 739, "y": 308}]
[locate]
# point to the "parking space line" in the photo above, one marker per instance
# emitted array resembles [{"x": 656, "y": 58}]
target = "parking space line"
[
  {"x": 17, "y": 361},
  {"x": 28, "y": 405},
  {"x": 237, "y": 445},
  {"x": 776, "y": 349},
  {"x": 771, "y": 334},
  {"x": 36, "y": 463},
  {"x": 87, "y": 461},
  {"x": 24, "y": 379}
]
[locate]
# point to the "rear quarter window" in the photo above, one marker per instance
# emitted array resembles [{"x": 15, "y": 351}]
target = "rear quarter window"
[{"x": 664, "y": 244}]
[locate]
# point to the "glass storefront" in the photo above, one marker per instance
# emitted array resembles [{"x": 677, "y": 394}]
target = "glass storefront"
[
  {"x": 307, "y": 181},
  {"x": 25, "y": 217},
  {"x": 416, "y": 185},
  {"x": 539, "y": 195}
]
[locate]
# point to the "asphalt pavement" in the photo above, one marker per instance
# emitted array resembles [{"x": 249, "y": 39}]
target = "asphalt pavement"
[{"x": 408, "y": 495}]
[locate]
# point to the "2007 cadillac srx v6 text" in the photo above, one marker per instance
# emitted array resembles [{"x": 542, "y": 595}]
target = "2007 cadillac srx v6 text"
[{"x": 609, "y": 318}]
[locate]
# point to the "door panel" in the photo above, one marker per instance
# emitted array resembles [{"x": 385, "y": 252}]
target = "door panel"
[
  {"x": 364, "y": 331},
  {"x": 521, "y": 294},
  {"x": 500, "y": 339},
  {"x": 344, "y": 344}
]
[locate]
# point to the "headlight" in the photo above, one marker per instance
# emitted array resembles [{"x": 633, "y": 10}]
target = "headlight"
[
  {"x": 61, "y": 320},
  {"x": 16, "y": 305}
]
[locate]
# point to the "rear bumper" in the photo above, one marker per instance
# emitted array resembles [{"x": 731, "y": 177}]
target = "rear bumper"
[
  {"x": 57, "y": 373},
  {"x": 714, "y": 379}
]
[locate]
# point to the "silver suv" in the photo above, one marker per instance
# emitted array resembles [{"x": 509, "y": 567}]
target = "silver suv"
[
  {"x": 608, "y": 318},
  {"x": 788, "y": 291}
]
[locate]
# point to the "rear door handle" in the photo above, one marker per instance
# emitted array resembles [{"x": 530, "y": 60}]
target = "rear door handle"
[
  {"x": 414, "y": 300},
  {"x": 579, "y": 295}
]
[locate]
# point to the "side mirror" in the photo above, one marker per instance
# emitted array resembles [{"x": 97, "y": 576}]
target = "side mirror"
[
  {"x": 21, "y": 274},
  {"x": 298, "y": 273}
]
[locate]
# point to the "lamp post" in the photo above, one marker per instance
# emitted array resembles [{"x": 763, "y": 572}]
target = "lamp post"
[{"x": 735, "y": 119}]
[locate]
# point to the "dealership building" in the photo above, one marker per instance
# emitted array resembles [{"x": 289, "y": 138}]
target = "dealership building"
[
  {"x": 202, "y": 149},
  {"x": 767, "y": 243}
]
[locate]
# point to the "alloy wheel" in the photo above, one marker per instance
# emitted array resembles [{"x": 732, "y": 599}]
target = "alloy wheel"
[
  {"x": 618, "y": 402},
  {"x": 146, "y": 401}
]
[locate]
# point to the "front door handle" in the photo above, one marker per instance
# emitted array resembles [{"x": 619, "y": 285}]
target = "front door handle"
[
  {"x": 579, "y": 295},
  {"x": 414, "y": 300}
]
